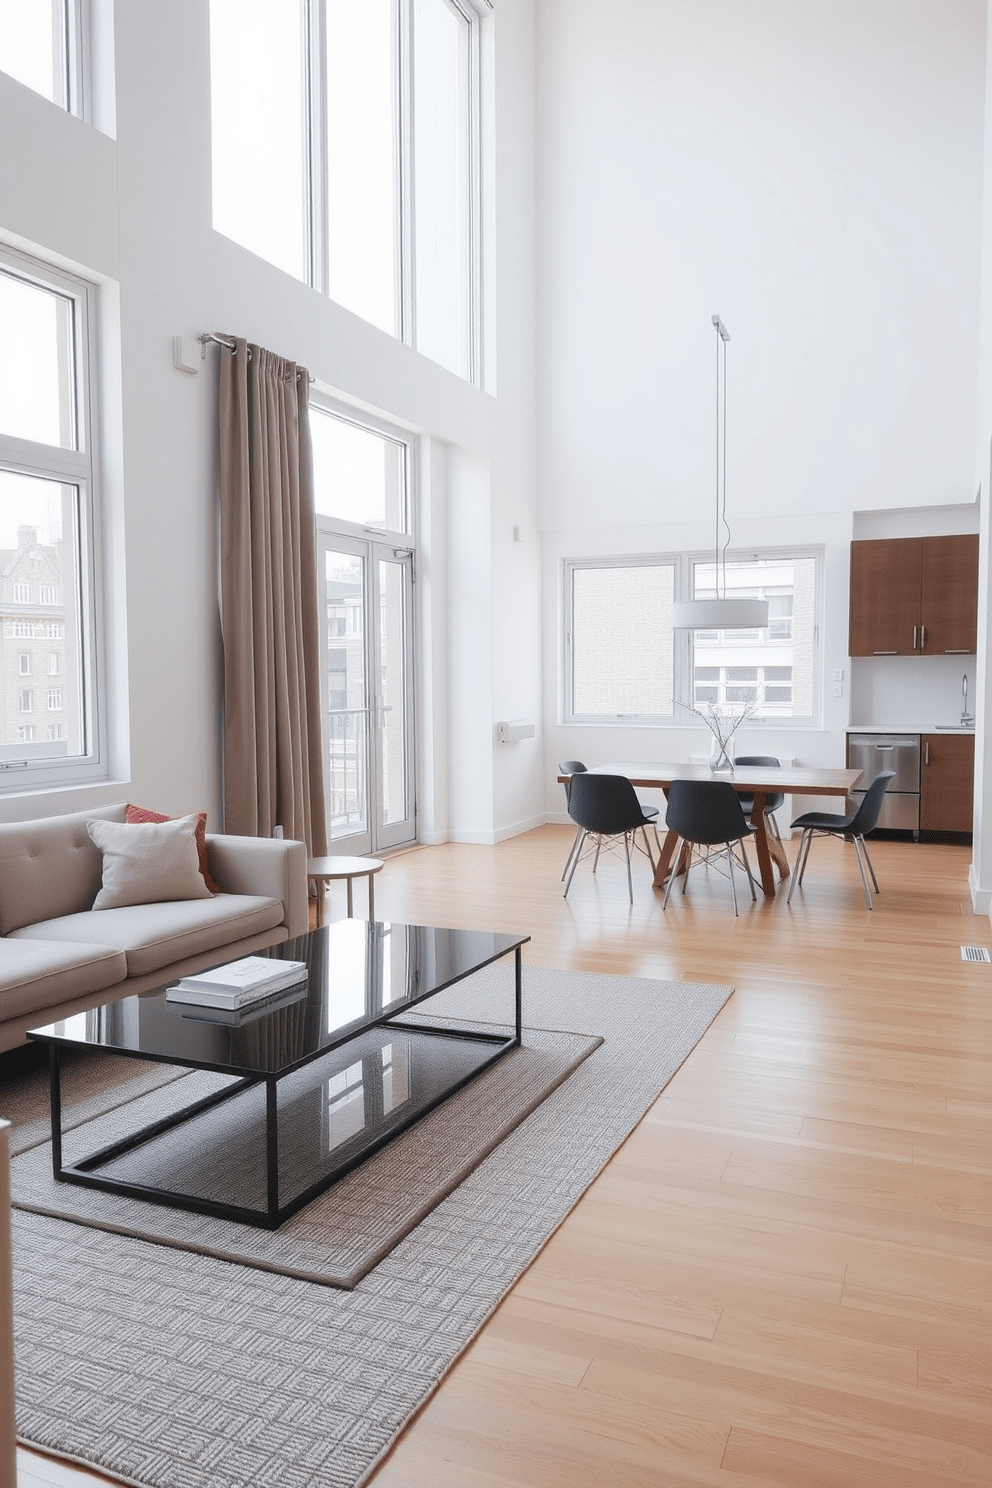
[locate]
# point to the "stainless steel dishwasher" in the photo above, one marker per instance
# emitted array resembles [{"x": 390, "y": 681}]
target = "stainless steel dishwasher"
[{"x": 874, "y": 753}]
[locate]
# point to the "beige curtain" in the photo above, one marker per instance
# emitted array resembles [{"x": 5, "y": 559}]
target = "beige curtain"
[{"x": 269, "y": 614}]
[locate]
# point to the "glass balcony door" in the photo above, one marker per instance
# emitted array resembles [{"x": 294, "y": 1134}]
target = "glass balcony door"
[{"x": 367, "y": 683}]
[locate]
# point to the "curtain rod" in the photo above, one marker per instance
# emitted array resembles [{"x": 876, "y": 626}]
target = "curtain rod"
[
  {"x": 232, "y": 346},
  {"x": 209, "y": 336}
]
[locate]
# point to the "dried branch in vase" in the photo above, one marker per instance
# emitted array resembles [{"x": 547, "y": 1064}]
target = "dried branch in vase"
[{"x": 723, "y": 723}]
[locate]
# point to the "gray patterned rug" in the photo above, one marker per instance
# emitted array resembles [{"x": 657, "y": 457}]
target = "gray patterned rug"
[
  {"x": 337, "y": 1238},
  {"x": 168, "y": 1368}
]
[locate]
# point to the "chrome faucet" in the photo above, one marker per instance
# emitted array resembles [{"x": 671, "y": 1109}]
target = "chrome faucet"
[{"x": 967, "y": 719}]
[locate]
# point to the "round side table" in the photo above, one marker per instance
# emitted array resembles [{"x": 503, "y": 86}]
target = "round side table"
[{"x": 322, "y": 871}]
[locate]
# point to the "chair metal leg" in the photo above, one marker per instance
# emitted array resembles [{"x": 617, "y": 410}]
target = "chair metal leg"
[
  {"x": 800, "y": 864},
  {"x": 674, "y": 873},
  {"x": 630, "y": 882},
  {"x": 809, "y": 844},
  {"x": 575, "y": 842},
  {"x": 576, "y": 854},
  {"x": 647, "y": 846},
  {"x": 595, "y": 861},
  {"x": 861, "y": 869},
  {"x": 747, "y": 869},
  {"x": 864, "y": 849},
  {"x": 733, "y": 884}
]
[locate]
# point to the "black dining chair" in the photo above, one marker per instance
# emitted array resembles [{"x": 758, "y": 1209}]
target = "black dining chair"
[
  {"x": 606, "y": 807},
  {"x": 855, "y": 825},
  {"x": 576, "y": 767},
  {"x": 773, "y": 802},
  {"x": 707, "y": 815},
  {"x": 571, "y": 767}
]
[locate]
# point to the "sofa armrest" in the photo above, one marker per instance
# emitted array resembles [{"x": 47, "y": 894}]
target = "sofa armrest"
[{"x": 274, "y": 866}]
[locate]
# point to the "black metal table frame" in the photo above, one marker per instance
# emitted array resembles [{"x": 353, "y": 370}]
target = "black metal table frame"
[{"x": 274, "y": 1214}]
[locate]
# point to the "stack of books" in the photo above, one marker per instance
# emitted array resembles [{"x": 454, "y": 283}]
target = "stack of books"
[{"x": 248, "y": 983}]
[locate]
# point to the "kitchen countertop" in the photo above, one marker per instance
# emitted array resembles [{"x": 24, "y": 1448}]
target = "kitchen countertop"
[{"x": 907, "y": 728}]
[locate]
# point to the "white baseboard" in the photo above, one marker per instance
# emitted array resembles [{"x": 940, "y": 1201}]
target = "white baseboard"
[
  {"x": 518, "y": 828},
  {"x": 501, "y": 834},
  {"x": 981, "y": 899}
]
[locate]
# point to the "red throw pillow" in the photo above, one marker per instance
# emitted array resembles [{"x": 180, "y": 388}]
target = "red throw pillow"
[{"x": 134, "y": 814}]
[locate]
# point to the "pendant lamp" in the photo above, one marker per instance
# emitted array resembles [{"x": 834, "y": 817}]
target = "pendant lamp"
[{"x": 724, "y": 612}]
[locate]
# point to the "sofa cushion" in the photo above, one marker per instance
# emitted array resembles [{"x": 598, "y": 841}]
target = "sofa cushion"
[
  {"x": 136, "y": 814},
  {"x": 49, "y": 866},
  {"x": 147, "y": 864},
  {"x": 36, "y": 974},
  {"x": 155, "y": 935}
]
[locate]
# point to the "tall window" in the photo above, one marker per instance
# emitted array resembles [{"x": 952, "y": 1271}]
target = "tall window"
[
  {"x": 46, "y": 517},
  {"x": 624, "y": 662},
  {"x": 361, "y": 176},
  {"x": 362, "y": 473},
  {"x": 41, "y": 46}
]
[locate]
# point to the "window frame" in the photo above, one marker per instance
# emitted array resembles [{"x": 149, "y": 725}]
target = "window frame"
[
  {"x": 683, "y": 650},
  {"x": 78, "y": 467},
  {"x": 386, "y": 429},
  {"x": 76, "y": 90},
  {"x": 475, "y": 13}
]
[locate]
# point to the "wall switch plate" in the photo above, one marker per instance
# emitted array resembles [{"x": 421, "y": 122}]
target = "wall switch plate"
[{"x": 838, "y": 674}]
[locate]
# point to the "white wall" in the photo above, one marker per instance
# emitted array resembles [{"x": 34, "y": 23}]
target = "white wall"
[
  {"x": 137, "y": 213},
  {"x": 813, "y": 173},
  {"x": 981, "y": 866}
]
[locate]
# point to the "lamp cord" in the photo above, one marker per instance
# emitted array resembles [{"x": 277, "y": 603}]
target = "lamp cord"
[{"x": 720, "y": 553}]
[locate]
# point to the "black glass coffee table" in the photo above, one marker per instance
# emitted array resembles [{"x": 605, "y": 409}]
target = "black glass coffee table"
[{"x": 354, "y": 1069}]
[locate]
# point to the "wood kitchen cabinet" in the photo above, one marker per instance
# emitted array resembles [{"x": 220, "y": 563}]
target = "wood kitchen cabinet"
[
  {"x": 947, "y": 782},
  {"x": 915, "y": 596}
]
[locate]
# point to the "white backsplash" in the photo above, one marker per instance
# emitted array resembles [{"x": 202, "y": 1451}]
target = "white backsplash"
[{"x": 909, "y": 692}]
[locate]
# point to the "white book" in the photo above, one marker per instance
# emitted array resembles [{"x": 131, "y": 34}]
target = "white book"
[
  {"x": 238, "y": 983},
  {"x": 241, "y": 1017}
]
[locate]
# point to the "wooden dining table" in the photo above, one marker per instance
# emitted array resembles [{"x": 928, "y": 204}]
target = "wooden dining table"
[{"x": 759, "y": 781}]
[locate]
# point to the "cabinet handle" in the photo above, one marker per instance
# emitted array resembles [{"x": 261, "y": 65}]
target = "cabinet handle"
[
  {"x": 957, "y": 651},
  {"x": 885, "y": 653},
  {"x": 915, "y": 629},
  {"x": 926, "y": 753},
  {"x": 923, "y": 638}
]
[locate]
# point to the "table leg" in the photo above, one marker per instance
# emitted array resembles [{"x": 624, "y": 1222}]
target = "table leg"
[
  {"x": 768, "y": 850},
  {"x": 518, "y": 991},
  {"x": 349, "y": 900},
  {"x": 665, "y": 859},
  {"x": 272, "y": 1148},
  {"x": 55, "y": 1098},
  {"x": 371, "y": 896}
]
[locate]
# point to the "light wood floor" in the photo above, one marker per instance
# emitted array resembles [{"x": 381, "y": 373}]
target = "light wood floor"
[{"x": 783, "y": 1277}]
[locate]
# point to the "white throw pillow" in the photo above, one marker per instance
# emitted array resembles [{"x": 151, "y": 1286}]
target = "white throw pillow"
[{"x": 147, "y": 863}]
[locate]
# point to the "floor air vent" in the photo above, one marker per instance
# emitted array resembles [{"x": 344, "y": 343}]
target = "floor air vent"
[{"x": 975, "y": 953}]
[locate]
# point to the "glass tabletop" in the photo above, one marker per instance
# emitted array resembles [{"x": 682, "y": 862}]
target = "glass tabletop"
[{"x": 360, "y": 973}]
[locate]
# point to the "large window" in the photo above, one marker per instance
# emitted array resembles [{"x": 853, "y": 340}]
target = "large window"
[
  {"x": 346, "y": 152},
  {"x": 47, "y": 589},
  {"x": 624, "y": 662},
  {"x": 41, "y": 46}
]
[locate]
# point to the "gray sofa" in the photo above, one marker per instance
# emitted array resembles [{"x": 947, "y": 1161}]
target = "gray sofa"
[{"x": 59, "y": 956}]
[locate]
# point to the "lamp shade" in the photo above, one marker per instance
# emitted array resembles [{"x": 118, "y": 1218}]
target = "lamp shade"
[{"x": 720, "y": 614}]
